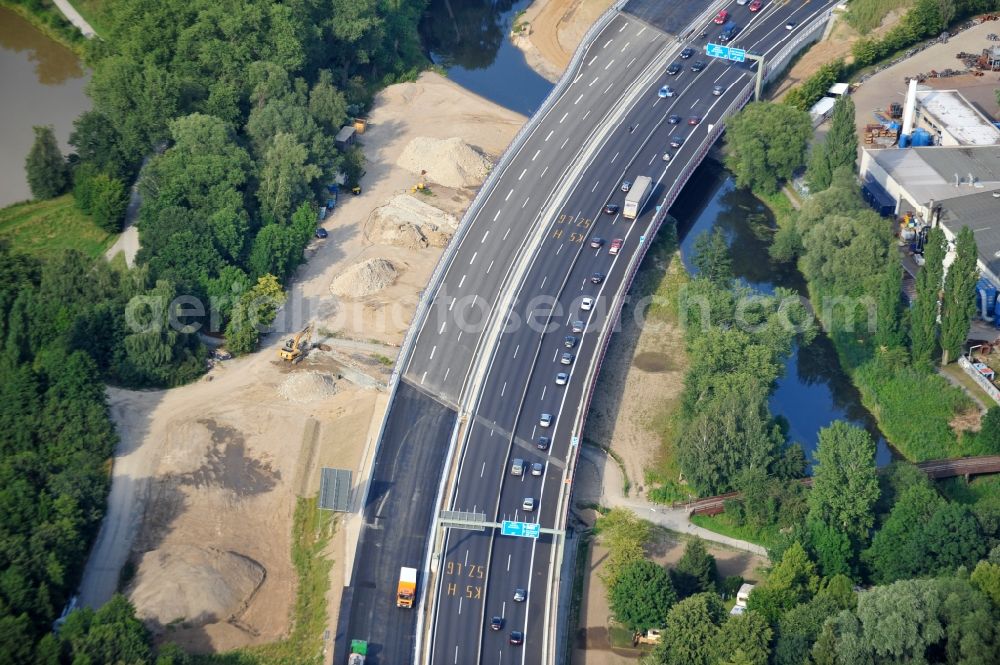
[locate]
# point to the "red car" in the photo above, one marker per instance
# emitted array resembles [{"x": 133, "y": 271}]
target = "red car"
[
  {"x": 755, "y": 5},
  {"x": 722, "y": 17},
  {"x": 616, "y": 246}
]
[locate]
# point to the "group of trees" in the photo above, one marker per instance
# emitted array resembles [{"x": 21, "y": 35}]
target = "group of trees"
[{"x": 767, "y": 142}]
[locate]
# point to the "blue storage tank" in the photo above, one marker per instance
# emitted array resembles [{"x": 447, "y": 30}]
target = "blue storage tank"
[
  {"x": 986, "y": 299},
  {"x": 904, "y": 140},
  {"x": 920, "y": 138}
]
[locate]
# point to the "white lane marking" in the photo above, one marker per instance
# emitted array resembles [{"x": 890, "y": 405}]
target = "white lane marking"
[
  {"x": 457, "y": 339},
  {"x": 595, "y": 186},
  {"x": 452, "y": 304},
  {"x": 596, "y": 79},
  {"x": 442, "y": 327},
  {"x": 543, "y": 393},
  {"x": 592, "y": 61},
  {"x": 547, "y": 168},
  {"x": 505, "y": 234},
  {"x": 544, "y": 277},
  {"x": 508, "y": 559},
  {"x": 615, "y": 157},
  {"x": 424, "y": 376},
  {"x": 564, "y": 143},
  {"x": 489, "y": 268},
  {"x": 608, "y": 88},
  {"x": 432, "y": 352},
  {"x": 629, "y": 63},
  {"x": 525, "y": 201},
  {"x": 696, "y": 102},
  {"x": 461, "y": 281},
  {"x": 483, "y": 471},
  {"x": 565, "y": 115},
  {"x": 508, "y": 194},
  {"x": 624, "y": 25},
  {"x": 586, "y": 114},
  {"x": 502, "y": 390},
  {"x": 496, "y": 215},
  {"x": 652, "y": 159},
  {"x": 578, "y": 100},
  {"x": 558, "y": 249},
  {"x": 536, "y": 155},
  {"x": 473, "y": 259},
  {"x": 555, "y": 355},
  {"x": 550, "y": 135},
  {"x": 466, "y": 557},
  {"x": 446, "y": 373},
  {"x": 522, "y": 174},
  {"x": 516, "y": 349},
  {"x": 606, "y": 43},
  {"x": 625, "y": 47},
  {"x": 485, "y": 235},
  {"x": 577, "y": 79},
  {"x": 609, "y": 64},
  {"x": 641, "y": 31},
  {"x": 456, "y": 647},
  {"x": 459, "y": 611},
  {"x": 503, "y": 610}
]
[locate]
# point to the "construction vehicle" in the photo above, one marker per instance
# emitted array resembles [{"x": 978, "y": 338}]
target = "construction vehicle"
[
  {"x": 407, "y": 589},
  {"x": 637, "y": 196},
  {"x": 295, "y": 348},
  {"x": 359, "y": 650}
]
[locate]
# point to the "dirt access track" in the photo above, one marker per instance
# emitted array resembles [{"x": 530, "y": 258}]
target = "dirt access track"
[{"x": 206, "y": 476}]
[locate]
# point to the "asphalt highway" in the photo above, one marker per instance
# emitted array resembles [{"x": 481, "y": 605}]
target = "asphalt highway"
[{"x": 481, "y": 570}]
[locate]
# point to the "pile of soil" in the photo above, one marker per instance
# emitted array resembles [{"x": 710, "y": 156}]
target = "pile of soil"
[
  {"x": 196, "y": 585},
  {"x": 364, "y": 279},
  {"x": 449, "y": 162},
  {"x": 307, "y": 387},
  {"x": 408, "y": 222}
]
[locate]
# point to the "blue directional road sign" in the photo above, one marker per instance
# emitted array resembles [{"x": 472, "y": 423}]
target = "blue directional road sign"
[
  {"x": 737, "y": 54},
  {"x": 717, "y": 50},
  {"x": 520, "y": 529}
]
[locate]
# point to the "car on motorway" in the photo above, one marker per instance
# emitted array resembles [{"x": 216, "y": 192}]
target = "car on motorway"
[
  {"x": 569, "y": 341},
  {"x": 755, "y": 5},
  {"x": 674, "y": 69},
  {"x": 567, "y": 358},
  {"x": 694, "y": 120},
  {"x": 717, "y": 90},
  {"x": 687, "y": 53},
  {"x": 616, "y": 246},
  {"x": 596, "y": 278},
  {"x": 790, "y": 25},
  {"x": 596, "y": 243},
  {"x": 666, "y": 156},
  {"x": 587, "y": 304},
  {"x": 666, "y": 91},
  {"x": 321, "y": 233},
  {"x": 537, "y": 469},
  {"x": 698, "y": 65},
  {"x": 578, "y": 326},
  {"x": 496, "y": 623},
  {"x": 676, "y": 141},
  {"x": 543, "y": 442},
  {"x": 721, "y": 17},
  {"x": 611, "y": 209},
  {"x": 528, "y": 504},
  {"x": 516, "y": 638},
  {"x": 626, "y": 185},
  {"x": 674, "y": 119},
  {"x": 520, "y": 595},
  {"x": 562, "y": 378},
  {"x": 517, "y": 467},
  {"x": 545, "y": 420}
]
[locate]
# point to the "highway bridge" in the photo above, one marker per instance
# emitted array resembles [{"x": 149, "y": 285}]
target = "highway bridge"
[{"x": 478, "y": 368}]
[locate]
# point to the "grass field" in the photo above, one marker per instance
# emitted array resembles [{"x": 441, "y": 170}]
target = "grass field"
[
  {"x": 767, "y": 537},
  {"x": 92, "y": 13},
  {"x": 866, "y": 15},
  {"x": 46, "y": 228}
]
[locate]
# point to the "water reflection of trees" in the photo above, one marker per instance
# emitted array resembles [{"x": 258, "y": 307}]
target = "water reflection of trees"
[
  {"x": 54, "y": 63},
  {"x": 467, "y": 33}
]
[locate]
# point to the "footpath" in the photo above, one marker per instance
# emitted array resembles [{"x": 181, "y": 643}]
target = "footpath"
[
  {"x": 74, "y": 17},
  {"x": 675, "y": 519}
]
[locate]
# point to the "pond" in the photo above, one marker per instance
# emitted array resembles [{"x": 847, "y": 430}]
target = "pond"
[
  {"x": 43, "y": 84},
  {"x": 814, "y": 390}
]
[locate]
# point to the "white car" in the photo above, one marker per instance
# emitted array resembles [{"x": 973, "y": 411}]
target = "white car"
[
  {"x": 528, "y": 505},
  {"x": 562, "y": 378},
  {"x": 520, "y": 595},
  {"x": 537, "y": 469},
  {"x": 587, "y": 304},
  {"x": 545, "y": 420}
]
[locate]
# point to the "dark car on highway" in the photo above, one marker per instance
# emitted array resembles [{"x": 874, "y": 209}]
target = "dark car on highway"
[
  {"x": 542, "y": 442},
  {"x": 676, "y": 141},
  {"x": 694, "y": 120},
  {"x": 611, "y": 208},
  {"x": 674, "y": 68},
  {"x": 674, "y": 119},
  {"x": 697, "y": 65},
  {"x": 687, "y": 53},
  {"x": 596, "y": 278},
  {"x": 516, "y": 637},
  {"x": 597, "y": 243},
  {"x": 496, "y": 623}
]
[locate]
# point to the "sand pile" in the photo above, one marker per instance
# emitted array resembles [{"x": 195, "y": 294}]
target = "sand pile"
[
  {"x": 408, "y": 222},
  {"x": 196, "y": 584},
  {"x": 449, "y": 162},
  {"x": 364, "y": 279},
  {"x": 307, "y": 387}
]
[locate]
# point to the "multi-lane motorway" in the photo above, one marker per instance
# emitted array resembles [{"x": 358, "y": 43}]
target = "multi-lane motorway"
[{"x": 496, "y": 333}]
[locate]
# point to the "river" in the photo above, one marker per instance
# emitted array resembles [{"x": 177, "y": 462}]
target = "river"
[{"x": 43, "y": 84}]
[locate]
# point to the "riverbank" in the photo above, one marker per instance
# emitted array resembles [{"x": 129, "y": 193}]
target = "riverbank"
[
  {"x": 49, "y": 20},
  {"x": 550, "y": 30}
]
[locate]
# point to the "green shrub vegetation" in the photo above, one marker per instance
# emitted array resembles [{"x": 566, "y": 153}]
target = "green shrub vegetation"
[
  {"x": 866, "y": 15},
  {"x": 46, "y": 229}
]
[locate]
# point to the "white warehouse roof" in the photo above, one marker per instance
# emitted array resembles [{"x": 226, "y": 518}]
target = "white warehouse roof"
[{"x": 952, "y": 111}]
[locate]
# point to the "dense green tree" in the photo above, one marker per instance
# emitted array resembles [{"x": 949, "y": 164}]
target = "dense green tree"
[
  {"x": 624, "y": 535},
  {"x": 792, "y": 581},
  {"x": 799, "y": 627},
  {"x": 844, "y": 484},
  {"x": 641, "y": 596},
  {"x": 923, "y": 315},
  {"x": 747, "y": 634},
  {"x": 286, "y": 177},
  {"x": 889, "y": 333},
  {"x": 171, "y": 654},
  {"x": 108, "y": 202},
  {"x": 711, "y": 258},
  {"x": 48, "y": 174},
  {"x": 832, "y": 548},
  {"x": 767, "y": 144},
  {"x": 958, "y": 302},
  {"x": 818, "y": 172},
  {"x": 252, "y": 313},
  {"x": 98, "y": 145},
  {"x": 990, "y": 431},
  {"x": 802, "y": 97},
  {"x": 112, "y": 634},
  {"x": 986, "y": 578},
  {"x": 695, "y": 572},
  {"x": 327, "y": 104},
  {"x": 691, "y": 631},
  {"x": 842, "y": 139}
]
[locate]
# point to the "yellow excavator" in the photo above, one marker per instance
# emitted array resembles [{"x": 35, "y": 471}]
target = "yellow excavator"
[{"x": 295, "y": 348}]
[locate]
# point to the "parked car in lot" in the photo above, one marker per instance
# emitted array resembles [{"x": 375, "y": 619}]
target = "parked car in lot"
[
  {"x": 321, "y": 233},
  {"x": 616, "y": 246}
]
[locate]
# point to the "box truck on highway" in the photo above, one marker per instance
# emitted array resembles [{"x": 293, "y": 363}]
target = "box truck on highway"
[
  {"x": 637, "y": 196},
  {"x": 359, "y": 651},
  {"x": 407, "y": 589}
]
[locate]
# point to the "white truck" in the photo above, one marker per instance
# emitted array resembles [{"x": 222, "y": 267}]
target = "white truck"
[{"x": 637, "y": 196}]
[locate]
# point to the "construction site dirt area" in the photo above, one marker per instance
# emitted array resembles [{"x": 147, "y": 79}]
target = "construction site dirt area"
[
  {"x": 207, "y": 476},
  {"x": 550, "y": 30}
]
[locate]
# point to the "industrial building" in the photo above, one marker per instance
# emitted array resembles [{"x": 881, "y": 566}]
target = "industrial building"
[{"x": 952, "y": 121}]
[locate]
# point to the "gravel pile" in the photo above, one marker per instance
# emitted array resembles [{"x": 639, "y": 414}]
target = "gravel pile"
[
  {"x": 307, "y": 387},
  {"x": 406, "y": 221},
  {"x": 449, "y": 162},
  {"x": 364, "y": 279}
]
